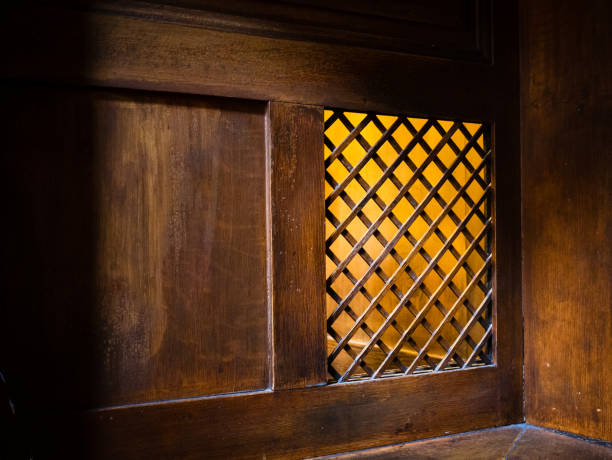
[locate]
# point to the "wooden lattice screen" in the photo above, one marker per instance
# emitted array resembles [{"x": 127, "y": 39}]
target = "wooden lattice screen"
[{"x": 408, "y": 245}]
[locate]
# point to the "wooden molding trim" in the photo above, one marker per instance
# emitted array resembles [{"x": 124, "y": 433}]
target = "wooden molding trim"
[
  {"x": 112, "y": 50},
  {"x": 446, "y": 28},
  {"x": 298, "y": 423}
]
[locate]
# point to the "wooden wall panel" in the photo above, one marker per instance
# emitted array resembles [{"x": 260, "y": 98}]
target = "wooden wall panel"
[
  {"x": 295, "y": 136},
  {"x": 448, "y": 28},
  {"x": 567, "y": 195},
  {"x": 62, "y": 261},
  {"x": 127, "y": 52},
  {"x": 146, "y": 233},
  {"x": 298, "y": 423}
]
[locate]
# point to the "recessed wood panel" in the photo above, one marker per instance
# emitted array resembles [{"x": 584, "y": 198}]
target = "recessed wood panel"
[{"x": 146, "y": 237}]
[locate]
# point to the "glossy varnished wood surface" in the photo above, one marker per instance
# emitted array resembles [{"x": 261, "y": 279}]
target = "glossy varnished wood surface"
[
  {"x": 144, "y": 241},
  {"x": 297, "y": 252},
  {"x": 567, "y": 195}
]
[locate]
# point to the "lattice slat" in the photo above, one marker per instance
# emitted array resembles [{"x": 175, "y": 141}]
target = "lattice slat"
[{"x": 408, "y": 245}]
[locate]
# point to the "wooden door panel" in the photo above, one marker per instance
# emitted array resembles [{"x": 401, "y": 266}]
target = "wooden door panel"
[{"x": 151, "y": 233}]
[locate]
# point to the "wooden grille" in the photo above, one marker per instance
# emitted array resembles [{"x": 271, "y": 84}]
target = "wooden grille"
[{"x": 408, "y": 245}]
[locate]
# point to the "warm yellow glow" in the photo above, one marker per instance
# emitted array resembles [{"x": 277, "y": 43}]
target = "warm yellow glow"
[{"x": 371, "y": 173}]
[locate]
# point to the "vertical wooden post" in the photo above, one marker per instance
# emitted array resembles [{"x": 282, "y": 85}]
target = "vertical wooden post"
[{"x": 296, "y": 245}]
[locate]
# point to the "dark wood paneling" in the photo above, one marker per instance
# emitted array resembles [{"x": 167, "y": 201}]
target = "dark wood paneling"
[
  {"x": 138, "y": 53},
  {"x": 447, "y": 28},
  {"x": 506, "y": 208},
  {"x": 304, "y": 422},
  {"x": 113, "y": 50},
  {"x": 567, "y": 194},
  {"x": 298, "y": 244},
  {"x": 145, "y": 241}
]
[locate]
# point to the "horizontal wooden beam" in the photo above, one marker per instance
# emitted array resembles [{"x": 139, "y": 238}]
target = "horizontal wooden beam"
[
  {"x": 445, "y": 28},
  {"x": 298, "y": 423},
  {"x": 119, "y": 51}
]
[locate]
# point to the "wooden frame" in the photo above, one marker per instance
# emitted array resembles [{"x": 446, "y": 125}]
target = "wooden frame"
[
  {"x": 306, "y": 422},
  {"x": 446, "y": 28},
  {"x": 95, "y": 48},
  {"x": 388, "y": 353},
  {"x": 297, "y": 303},
  {"x": 290, "y": 420}
]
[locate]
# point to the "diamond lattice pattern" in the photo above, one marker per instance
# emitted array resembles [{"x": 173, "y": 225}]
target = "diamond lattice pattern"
[{"x": 408, "y": 245}]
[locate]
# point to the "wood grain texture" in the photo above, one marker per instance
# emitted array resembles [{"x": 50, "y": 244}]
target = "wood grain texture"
[
  {"x": 148, "y": 219},
  {"x": 446, "y": 28},
  {"x": 127, "y": 52},
  {"x": 506, "y": 209},
  {"x": 567, "y": 195},
  {"x": 302, "y": 422},
  {"x": 55, "y": 266},
  {"x": 295, "y": 136}
]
